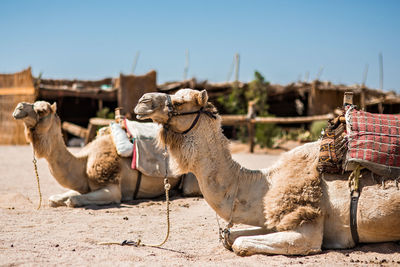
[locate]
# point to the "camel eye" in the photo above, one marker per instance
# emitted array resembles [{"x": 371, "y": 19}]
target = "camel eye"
[
  {"x": 178, "y": 104},
  {"x": 146, "y": 100},
  {"x": 41, "y": 112}
]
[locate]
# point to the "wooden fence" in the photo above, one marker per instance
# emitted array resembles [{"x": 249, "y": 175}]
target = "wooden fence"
[{"x": 236, "y": 120}]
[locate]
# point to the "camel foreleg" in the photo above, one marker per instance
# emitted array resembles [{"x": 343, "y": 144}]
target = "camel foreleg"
[
  {"x": 233, "y": 234},
  {"x": 305, "y": 240},
  {"x": 60, "y": 199},
  {"x": 107, "y": 195}
]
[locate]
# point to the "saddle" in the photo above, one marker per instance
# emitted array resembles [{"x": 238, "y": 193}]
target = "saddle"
[
  {"x": 139, "y": 141},
  {"x": 373, "y": 142},
  {"x": 359, "y": 138}
]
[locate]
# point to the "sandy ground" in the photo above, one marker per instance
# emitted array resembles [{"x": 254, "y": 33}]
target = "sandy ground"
[{"x": 67, "y": 236}]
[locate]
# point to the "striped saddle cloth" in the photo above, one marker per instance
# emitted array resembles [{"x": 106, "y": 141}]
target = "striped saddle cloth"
[
  {"x": 333, "y": 147},
  {"x": 373, "y": 141}
]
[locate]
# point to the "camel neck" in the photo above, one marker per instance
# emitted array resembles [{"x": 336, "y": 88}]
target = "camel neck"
[
  {"x": 204, "y": 152},
  {"x": 65, "y": 168}
]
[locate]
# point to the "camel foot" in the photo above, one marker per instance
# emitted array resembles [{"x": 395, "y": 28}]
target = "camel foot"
[
  {"x": 60, "y": 199},
  {"x": 242, "y": 253},
  {"x": 56, "y": 201},
  {"x": 240, "y": 249},
  {"x": 55, "y": 204},
  {"x": 73, "y": 202}
]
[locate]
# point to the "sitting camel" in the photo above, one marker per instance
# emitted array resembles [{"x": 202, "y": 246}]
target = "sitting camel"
[
  {"x": 296, "y": 210},
  {"x": 96, "y": 174}
]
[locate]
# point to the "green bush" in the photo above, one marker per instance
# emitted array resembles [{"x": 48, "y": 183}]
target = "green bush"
[
  {"x": 267, "y": 134},
  {"x": 316, "y": 129},
  {"x": 105, "y": 113},
  {"x": 236, "y": 103}
]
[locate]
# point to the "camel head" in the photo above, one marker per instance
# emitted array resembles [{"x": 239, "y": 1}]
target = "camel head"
[
  {"x": 36, "y": 116},
  {"x": 155, "y": 106}
]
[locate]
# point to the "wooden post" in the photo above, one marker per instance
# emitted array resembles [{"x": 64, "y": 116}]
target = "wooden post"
[
  {"x": 365, "y": 75},
  {"x": 186, "y": 68},
  {"x": 237, "y": 60},
  {"x": 91, "y": 133},
  {"x": 380, "y": 71},
  {"x": 119, "y": 114},
  {"x": 348, "y": 98},
  {"x": 321, "y": 69},
  {"x": 251, "y": 128},
  {"x": 380, "y": 106},
  {"x": 362, "y": 98},
  {"x": 312, "y": 97},
  {"x": 230, "y": 70},
  {"x": 135, "y": 62},
  {"x": 251, "y": 114},
  {"x": 100, "y": 104}
]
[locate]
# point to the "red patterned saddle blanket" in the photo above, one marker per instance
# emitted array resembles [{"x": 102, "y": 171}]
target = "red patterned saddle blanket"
[{"x": 373, "y": 141}]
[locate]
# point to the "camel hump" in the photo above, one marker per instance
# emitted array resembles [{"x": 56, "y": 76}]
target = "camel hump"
[{"x": 103, "y": 165}]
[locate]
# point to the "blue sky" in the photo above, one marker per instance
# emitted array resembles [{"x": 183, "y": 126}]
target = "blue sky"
[{"x": 282, "y": 39}]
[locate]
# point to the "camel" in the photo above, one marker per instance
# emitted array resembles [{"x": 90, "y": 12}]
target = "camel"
[
  {"x": 293, "y": 210},
  {"x": 96, "y": 175}
]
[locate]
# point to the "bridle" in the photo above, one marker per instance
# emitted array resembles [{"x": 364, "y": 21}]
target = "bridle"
[
  {"x": 173, "y": 113},
  {"x": 40, "y": 120}
]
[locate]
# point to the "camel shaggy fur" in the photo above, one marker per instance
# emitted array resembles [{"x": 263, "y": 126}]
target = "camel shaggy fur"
[
  {"x": 295, "y": 210},
  {"x": 96, "y": 175}
]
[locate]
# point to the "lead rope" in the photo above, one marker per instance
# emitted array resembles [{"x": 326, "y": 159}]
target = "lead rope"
[
  {"x": 223, "y": 234},
  {"x": 37, "y": 178},
  {"x": 167, "y": 187}
]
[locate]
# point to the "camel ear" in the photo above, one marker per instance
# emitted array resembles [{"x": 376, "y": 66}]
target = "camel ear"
[
  {"x": 54, "y": 107},
  {"x": 202, "y": 98},
  {"x": 40, "y": 107}
]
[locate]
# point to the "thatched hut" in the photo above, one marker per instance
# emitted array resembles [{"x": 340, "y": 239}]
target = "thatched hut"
[
  {"x": 14, "y": 88},
  {"x": 80, "y": 100}
]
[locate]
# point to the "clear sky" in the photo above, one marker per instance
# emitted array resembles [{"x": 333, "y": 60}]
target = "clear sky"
[{"x": 282, "y": 39}]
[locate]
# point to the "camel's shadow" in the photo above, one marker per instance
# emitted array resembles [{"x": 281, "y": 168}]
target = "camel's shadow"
[
  {"x": 382, "y": 248},
  {"x": 132, "y": 203}
]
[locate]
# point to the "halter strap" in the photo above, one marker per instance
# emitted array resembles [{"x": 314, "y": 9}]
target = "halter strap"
[
  {"x": 172, "y": 113},
  {"x": 40, "y": 119}
]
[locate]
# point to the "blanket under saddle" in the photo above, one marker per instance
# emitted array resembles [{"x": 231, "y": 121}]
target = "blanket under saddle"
[
  {"x": 373, "y": 142},
  {"x": 366, "y": 139}
]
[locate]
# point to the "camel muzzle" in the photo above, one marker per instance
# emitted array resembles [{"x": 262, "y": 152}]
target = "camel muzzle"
[{"x": 19, "y": 113}]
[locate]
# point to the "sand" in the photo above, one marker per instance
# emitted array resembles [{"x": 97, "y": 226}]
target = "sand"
[{"x": 69, "y": 236}]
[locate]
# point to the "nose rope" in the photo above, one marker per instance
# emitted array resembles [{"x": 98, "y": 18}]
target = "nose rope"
[
  {"x": 34, "y": 161},
  {"x": 37, "y": 178}
]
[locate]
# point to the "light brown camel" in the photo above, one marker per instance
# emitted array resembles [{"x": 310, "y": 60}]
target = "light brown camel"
[
  {"x": 295, "y": 211},
  {"x": 96, "y": 174}
]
